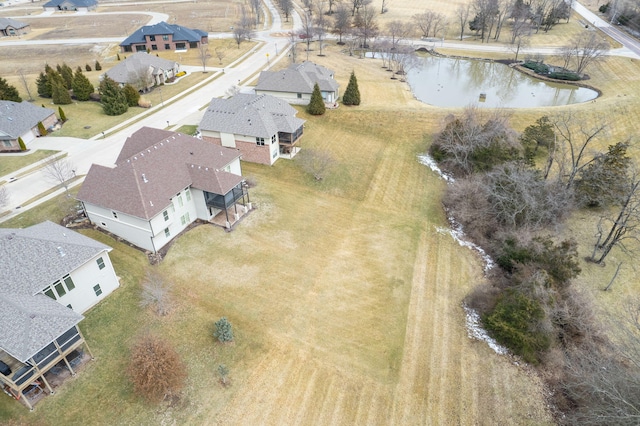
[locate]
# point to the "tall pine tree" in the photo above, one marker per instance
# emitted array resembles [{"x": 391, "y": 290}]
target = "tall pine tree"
[
  {"x": 352, "y": 94},
  {"x": 66, "y": 73},
  {"x": 316, "y": 105},
  {"x": 60, "y": 93},
  {"x": 63, "y": 116},
  {"x": 82, "y": 87},
  {"x": 8, "y": 92},
  {"x": 132, "y": 95},
  {"x": 113, "y": 100}
]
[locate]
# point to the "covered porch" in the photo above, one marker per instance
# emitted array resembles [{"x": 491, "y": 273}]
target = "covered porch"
[
  {"x": 228, "y": 209},
  {"x": 287, "y": 142}
]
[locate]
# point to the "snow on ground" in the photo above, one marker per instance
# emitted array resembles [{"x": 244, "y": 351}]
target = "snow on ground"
[
  {"x": 475, "y": 331},
  {"x": 431, "y": 163}
]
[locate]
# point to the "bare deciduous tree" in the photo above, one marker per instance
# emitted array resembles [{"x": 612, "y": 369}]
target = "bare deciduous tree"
[
  {"x": 341, "y": 21},
  {"x": 520, "y": 36},
  {"x": 243, "y": 29},
  {"x": 23, "y": 78},
  {"x": 462, "y": 13},
  {"x": 203, "y": 55},
  {"x": 256, "y": 9},
  {"x": 308, "y": 30},
  {"x": 321, "y": 25},
  {"x": 398, "y": 30},
  {"x": 383, "y": 7},
  {"x": 365, "y": 23},
  {"x": 220, "y": 53},
  {"x": 317, "y": 163},
  {"x": 286, "y": 6},
  {"x": 430, "y": 23},
  {"x": 157, "y": 294},
  {"x": 293, "y": 41},
  {"x": 60, "y": 171},
  {"x": 584, "y": 49}
]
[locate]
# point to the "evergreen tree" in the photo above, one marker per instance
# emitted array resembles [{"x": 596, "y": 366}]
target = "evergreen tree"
[
  {"x": 352, "y": 94},
  {"x": 97, "y": 66},
  {"x": 132, "y": 95},
  {"x": 223, "y": 332},
  {"x": 41, "y": 129},
  {"x": 44, "y": 85},
  {"x": 316, "y": 105},
  {"x": 113, "y": 100},
  {"x": 82, "y": 87},
  {"x": 62, "y": 115},
  {"x": 66, "y": 73},
  {"x": 604, "y": 182},
  {"x": 23, "y": 147},
  {"x": 60, "y": 93},
  {"x": 87, "y": 67},
  {"x": 8, "y": 92},
  {"x": 118, "y": 55}
]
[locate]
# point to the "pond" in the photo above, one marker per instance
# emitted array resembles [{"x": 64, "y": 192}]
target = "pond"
[{"x": 448, "y": 82}]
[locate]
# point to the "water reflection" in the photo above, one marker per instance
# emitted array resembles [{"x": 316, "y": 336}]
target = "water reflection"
[{"x": 449, "y": 82}]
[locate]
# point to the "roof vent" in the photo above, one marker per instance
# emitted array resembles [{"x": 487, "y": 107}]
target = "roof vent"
[
  {"x": 61, "y": 252},
  {"x": 151, "y": 203},
  {"x": 144, "y": 178},
  {"x": 191, "y": 152}
]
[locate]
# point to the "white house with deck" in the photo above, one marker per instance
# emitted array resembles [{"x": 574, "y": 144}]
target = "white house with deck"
[{"x": 295, "y": 84}]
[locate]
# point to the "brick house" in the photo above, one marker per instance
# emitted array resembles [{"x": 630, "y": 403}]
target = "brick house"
[
  {"x": 163, "y": 36},
  {"x": 20, "y": 120}
]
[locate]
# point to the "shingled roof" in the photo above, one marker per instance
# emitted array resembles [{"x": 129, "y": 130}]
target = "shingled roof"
[
  {"x": 152, "y": 167},
  {"x": 18, "y": 118},
  {"x": 76, "y": 3},
  {"x": 30, "y": 260},
  {"x": 136, "y": 63},
  {"x": 162, "y": 28},
  {"x": 8, "y": 22},
  {"x": 250, "y": 115},
  {"x": 298, "y": 78}
]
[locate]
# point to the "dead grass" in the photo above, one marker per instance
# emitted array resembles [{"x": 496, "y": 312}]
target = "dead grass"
[{"x": 10, "y": 164}]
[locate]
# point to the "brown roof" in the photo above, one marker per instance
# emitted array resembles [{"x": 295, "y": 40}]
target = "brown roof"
[{"x": 153, "y": 166}]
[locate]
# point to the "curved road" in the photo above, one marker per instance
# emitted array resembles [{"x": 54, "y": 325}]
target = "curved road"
[{"x": 186, "y": 109}]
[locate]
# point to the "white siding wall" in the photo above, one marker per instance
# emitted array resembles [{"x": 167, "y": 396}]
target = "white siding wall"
[
  {"x": 228, "y": 140},
  {"x": 179, "y": 217},
  {"x": 83, "y": 296},
  {"x": 202, "y": 211},
  {"x": 234, "y": 166},
  {"x": 291, "y": 98},
  {"x": 131, "y": 228}
]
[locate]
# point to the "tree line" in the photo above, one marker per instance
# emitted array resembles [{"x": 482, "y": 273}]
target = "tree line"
[{"x": 512, "y": 192}]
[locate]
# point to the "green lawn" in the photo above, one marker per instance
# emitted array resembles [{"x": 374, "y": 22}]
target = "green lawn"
[{"x": 12, "y": 163}]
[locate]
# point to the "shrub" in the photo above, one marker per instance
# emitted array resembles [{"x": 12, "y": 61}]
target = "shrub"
[
  {"x": 132, "y": 95},
  {"x": 155, "y": 369},
  {"x": 87, "y": 67},
  {"x": 144, "y": 103},
  {"x": 565, "y": 75},
  {"x": 62, "y": 115},
  {"x": 41, "y": 129},
  {"x": 97, "y": 66},
  {"x": 223, "y": 331},
  {"x": 181, "y": 73},
  {"x": 23, "y": 147},
  {"x": 537, "y": 67},
  {"x": 514, "y": 322}
]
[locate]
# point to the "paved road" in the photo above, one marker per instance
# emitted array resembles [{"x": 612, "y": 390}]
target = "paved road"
[{"x": 177, "y": 111}]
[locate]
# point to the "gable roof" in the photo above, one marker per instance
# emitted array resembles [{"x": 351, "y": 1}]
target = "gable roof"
[
  {"x": 33, "y": 258},
  {"x": 298, "y": 78},
  {"x": 18, "y": 118},
  {"x": 162, "y": 28},
  {"x": 152, "y": 167},
  {"x": 76, "y": 3},
  {"x": 136, "y": 63},
  {"x": 8, "y": 22},
  {"x": 250, "y": 115}
]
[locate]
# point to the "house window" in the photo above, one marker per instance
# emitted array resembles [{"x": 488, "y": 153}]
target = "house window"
[
  {"x": 49, "y": 292},
  {"x": 188, "y": 218},
  {"x": 69, "y": 282},
  {"x": 59, "y": 288},
  {"x": 115, "y": 215},
  {"x": 165, "y": 38},
  {"x": 97, "y": 290},
  {"x": 193, "y": 44},
  {"x": 259, "y": 141},
  {"x": 165, "y": 214},
  {"x": 299, "y": 95},
  {"x": 154, "y": 47},
  {"x": 273, "y": 139},
  {"x": 127, "y": 49},
  {"x": 7, "y": 144},
  {"x": 69, "y": 306},
  {"x": 183, "y": 219},
  {"x": 100, "y": 263},
  {"x": 104, "y": 225},
  {"x": 275, "y": 153},
  {"x": 141, "y": 48},
  {"x": 167, "y": 233},
  {"x": 152, "y": 38},
  {"x": 188, "y": 194},
  {"x": 167, "y": 47},
  {"x": 180, "y": 200}
]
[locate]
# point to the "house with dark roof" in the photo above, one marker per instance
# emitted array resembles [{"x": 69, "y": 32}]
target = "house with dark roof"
[
  {"x": 20, "y": 120},
  {"x": 11, "y": 27},
  {"x": 161, "y": 183},
  {"x": 73, "y": 5},
  {"x": 295, "y": 84},
  {"x": 264, "y": 128},
  {"x": 163, "y": 36},
  {"x": 143, "y": 71},
  {"x": 50, "y": 276}
]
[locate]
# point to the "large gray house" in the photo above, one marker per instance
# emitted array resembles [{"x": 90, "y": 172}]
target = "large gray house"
[
  {"x": 20, "y": 120},
  {"x": 262, "y": 127},
  {"x": 143, "y": 71},
  {"x": 11, "y": 27},
  {"x": 163, "y": 36},
  {"x": 295, "y": 84}
]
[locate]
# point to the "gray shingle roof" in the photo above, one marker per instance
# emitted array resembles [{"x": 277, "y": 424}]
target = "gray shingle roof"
[
  {"x": 33, "y": 258},
  {"x": 76, "y": 3},
  {"x": 8, "y": 22},
  {"x": 152, "y": 167},
  {"x": 162, "y": 28},
  {"x": 250, "y": 115},
  {"x": 18, "y": 118},
  {"x": 30, "y": 260},
  {"x": 298, "y": 78},
  {"x": 136, "y": 63}
]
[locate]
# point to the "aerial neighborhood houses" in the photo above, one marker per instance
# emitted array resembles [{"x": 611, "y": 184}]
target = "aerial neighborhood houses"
[
  {"x": 50, "y": 276},
  {"x": 162, "y": 182},
  {"x": 143, "y": 71},
  {"x": 11, "y": 27},
  {"x": 20, "y": 120},
  {"x": 295, "y": 84},
  {"x": 262, "y": 127},
  {"x": 72, "y": 5},
  {"x": 163, "y": 36}
]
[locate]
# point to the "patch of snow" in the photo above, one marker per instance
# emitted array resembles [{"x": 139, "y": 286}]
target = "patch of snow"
[
  {"x": 475, "y": 331},
  {"x": 458, "y": 235},
  {"x": 428, "y": 161}
]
